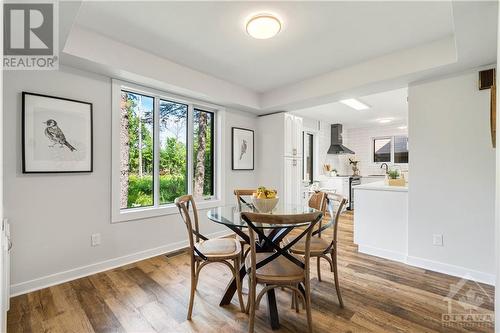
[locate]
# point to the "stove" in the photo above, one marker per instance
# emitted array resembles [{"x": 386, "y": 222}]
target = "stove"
[{"x": 353, "y": 181}]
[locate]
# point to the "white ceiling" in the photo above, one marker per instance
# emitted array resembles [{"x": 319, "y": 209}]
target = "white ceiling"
[
  {"x": 317, "y": 37},
  {"x": 386, "y": 105}
]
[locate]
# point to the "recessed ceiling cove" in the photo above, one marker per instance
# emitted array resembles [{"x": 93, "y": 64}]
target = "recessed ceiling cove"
[{"x": 317, "y": 37}]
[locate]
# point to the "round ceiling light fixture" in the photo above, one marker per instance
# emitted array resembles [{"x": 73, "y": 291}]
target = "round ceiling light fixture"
[
  {"x": 263, "y": 26},
  {"x": 384, "y": 120}
]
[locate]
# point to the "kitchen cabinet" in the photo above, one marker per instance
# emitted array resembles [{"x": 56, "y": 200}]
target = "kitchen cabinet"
[
  {"x": 292, "y": 135},
  {"x": 279, "y": 159},
  {"x": 292, "y": 185}
]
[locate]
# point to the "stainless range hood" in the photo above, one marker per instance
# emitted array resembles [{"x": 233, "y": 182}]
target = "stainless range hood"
[{"x": 336, "y": 146}]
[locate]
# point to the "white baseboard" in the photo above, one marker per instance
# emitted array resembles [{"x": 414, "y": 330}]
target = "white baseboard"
[
  {"x": 79, "y": 272},
  {"x": 453, "y": 270},
  {"x": 430, "y": 265},
  {"x": 386, "y": 254}
]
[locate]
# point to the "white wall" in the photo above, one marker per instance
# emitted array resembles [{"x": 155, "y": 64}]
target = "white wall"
[
  {"x": 452, "y": 188},
  {"x": 4, "y": 304},
  {"x": 497, "y": 196},
  {"x": 53, "y": 216}
]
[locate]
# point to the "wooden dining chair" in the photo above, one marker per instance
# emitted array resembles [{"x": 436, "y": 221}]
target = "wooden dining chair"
[
  {"x": 204, "y": 251},
  {"x": 321, "y": 247},
  {"x": 278, "y": 269},
  {"x": 243, "y": 197}
]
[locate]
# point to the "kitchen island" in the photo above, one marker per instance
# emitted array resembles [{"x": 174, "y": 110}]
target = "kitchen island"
[{"x": 381, "y": 220}]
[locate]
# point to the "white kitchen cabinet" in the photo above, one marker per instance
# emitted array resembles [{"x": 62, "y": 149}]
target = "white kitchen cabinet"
[
  {"x": 297, "y": 134},
  {"x": 279, "y": 160},
  {"x": 288, "y": 134},
  {"x": 292, "y": 135},
  {"x": 292, "y": 185}
]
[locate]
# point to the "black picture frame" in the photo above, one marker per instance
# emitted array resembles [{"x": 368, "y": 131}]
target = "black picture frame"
[
  {"x": 25, "y": 168},
  {"x": 234, "y": 163}
]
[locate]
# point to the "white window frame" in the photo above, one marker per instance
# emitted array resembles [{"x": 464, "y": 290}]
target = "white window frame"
[
  {"x": 392, "y": 138},
  {"x": 129, "y": 214}
]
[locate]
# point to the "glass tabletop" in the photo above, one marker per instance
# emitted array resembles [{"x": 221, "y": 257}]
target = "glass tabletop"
[{"x": 230, "y": 215}]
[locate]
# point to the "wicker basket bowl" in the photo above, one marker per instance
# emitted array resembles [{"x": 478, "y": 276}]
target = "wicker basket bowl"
[{"x": 265, "y": 205}]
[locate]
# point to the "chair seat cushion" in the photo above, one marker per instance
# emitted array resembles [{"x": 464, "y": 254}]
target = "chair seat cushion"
[
  {"x": 219, "y": 247},
  {"x": 279, "y": 270},
  {"x": 318, "y": 246}
]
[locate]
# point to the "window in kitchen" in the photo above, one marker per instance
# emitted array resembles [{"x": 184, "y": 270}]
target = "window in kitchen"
[
  {"x": 400, "y": 149},
  {"x": 392, "y": 149},
  {"x": 165, "y": 147},
  {"x": 382, "y": 150},
  {"x": 308, "y": 156}
]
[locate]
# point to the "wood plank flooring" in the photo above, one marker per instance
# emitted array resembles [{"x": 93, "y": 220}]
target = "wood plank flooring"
[{"x": 152, "y": 296}]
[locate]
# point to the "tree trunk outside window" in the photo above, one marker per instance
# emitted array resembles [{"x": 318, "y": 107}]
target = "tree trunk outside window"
[
  {"x": 199, "y": 173},
  {"x": 124, "y": 151}
]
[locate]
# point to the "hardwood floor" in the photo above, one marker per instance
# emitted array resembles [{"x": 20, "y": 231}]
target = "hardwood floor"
[{"x": 152, "y": 296}]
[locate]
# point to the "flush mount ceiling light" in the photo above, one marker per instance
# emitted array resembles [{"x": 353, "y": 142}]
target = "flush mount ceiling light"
[
  {"x": 384, "y": 120},
  {"x": 355, "y": 104},
  {"x": 263, "y": 26}
]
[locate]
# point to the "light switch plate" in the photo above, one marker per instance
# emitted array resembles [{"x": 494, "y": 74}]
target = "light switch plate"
[{"x": 437, "y": 240}]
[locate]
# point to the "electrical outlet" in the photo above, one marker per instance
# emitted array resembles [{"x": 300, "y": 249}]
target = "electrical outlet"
[
  {"x": 95, "y": 239},
  {"x": 437, "y": 240}
]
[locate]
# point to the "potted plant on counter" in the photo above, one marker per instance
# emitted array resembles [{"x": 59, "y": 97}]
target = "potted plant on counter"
[{"x": 394, "y": 178}]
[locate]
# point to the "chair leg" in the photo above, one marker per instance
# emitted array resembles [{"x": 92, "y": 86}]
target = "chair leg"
[
  {"x": 251, "y": 306},
  {"x": 336, "y": 277},
  {"x": 296, "y": 301},
  {"x": 242, "y": 253},
  {"x": 307, "y": 287},
  {"x": 238, "y": 283},
  {"x": 319, "y": 268},
  {"x": 194, "y": 282}
]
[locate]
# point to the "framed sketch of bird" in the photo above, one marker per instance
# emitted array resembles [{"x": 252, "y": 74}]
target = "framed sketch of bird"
[{"x": 56, "y": 135}]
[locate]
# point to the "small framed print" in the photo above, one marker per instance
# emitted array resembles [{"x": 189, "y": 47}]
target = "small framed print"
[
  {"x": 56, "y": 134},
  {"x": 242, "y": 149}
]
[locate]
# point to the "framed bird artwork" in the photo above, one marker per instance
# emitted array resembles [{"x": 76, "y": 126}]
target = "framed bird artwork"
[
  {"x": 56, "y": 134},
  {"x": 242, "y": 149}
]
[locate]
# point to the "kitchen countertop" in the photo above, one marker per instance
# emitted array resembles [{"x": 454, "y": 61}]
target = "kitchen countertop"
[
  {"x": 381, "y": 186},
  {"x": 323, "y": 177}
]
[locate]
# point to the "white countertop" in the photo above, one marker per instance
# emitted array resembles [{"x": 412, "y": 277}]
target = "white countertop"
[{"x": 381, "y": 186}]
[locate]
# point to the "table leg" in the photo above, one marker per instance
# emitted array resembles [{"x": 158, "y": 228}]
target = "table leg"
[
  {"x": 273, "y": 310},
  {"x": 231, "y": 288}
]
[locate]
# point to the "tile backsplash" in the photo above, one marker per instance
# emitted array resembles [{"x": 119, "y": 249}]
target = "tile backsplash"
[{"x": 359, "y": 140}]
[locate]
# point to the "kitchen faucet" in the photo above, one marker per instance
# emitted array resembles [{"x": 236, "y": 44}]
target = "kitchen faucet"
[{"x": 386, "y": 167}]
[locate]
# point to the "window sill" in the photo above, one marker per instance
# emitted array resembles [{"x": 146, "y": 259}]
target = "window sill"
[{"x": 134, "y": 214}]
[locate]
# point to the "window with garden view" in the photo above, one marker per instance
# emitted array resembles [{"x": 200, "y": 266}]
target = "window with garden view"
[{"x": 155, "y": 173}]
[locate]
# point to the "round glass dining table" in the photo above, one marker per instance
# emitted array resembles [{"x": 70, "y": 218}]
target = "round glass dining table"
[
  {"x": 231, "y": 215},
  {"x": 269, "y": 240}
]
